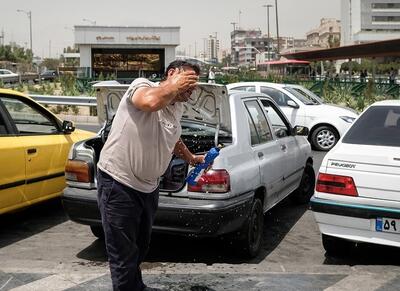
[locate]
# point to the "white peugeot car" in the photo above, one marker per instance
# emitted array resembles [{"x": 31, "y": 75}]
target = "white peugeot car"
[
  {"x": 357, "y": 197},
  {"x": 327, "y": 123}
]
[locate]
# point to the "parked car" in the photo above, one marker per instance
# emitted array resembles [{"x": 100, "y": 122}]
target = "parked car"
[
  {"x": 7, "y": 76},
  {"x": 262, "y": 160},
  {"x": 34, "y": 145},
  {"x": 49, "y": 75},
  {"x": 357, "y": 197},
  {"x": 327, "y": 122}
]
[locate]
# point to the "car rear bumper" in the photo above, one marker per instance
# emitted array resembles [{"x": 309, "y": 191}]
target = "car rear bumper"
[
  {"x": 354, "y": 222},
  {"x": 178, "y": 215},
  {"x": 81, "y": 205},
  {"x": 352, "y": 210}
]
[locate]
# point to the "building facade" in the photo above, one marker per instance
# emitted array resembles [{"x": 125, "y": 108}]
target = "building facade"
[
  {"x": 327, "y": 35},
  {"x": 212, "y": 49},
  {"x": 369, "y": 20},
  {"x": 126, "y": 52},
  {"x": 246, "y": 44}
]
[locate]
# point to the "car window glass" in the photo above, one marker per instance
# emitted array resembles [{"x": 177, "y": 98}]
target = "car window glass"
[
  {"x": 304, "y": 98},
  {"x": 253, "y": 132},
  {"x": 27, "y": 119},
  {"x": 259, "y": 120},
  {"x": 309, "y": 94},
  {"x": 198, "y": 129},
  {"x": 3, "y": 128},
  {"x": 278, "y": 124},
  {"x": 279, "y": 97},
  {"x": 245, "y": 88},
  {"x": 379, "y": 125}
]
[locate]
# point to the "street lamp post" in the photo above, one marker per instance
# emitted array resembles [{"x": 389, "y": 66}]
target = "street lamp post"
[
  {"x": 29, "y": 14},
  {"x": 277, "y": 26},
  {"x": 268, "y": 6}
]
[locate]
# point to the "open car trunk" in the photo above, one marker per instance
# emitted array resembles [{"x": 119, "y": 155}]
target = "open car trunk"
[{"x": 206, "y": 122}]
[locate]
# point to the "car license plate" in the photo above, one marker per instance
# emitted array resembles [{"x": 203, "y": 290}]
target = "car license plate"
[{"x": 384, "y": 224}]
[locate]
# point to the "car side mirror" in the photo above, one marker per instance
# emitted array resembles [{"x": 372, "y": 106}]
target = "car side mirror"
[
  {"x": 301, "y": 130},
  {"x": 292, "y": 104},
  {"x": 68, "y": 126}
]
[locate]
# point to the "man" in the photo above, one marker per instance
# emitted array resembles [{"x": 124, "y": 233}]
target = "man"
[
  {"x": 392, "y": 76},
  {"x": 144, "y": 134},
  {"x": 211, "y": 76}
]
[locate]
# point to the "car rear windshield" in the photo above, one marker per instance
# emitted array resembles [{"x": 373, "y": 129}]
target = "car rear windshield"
[
  {"x": 379, "y": 125},
  {"x": 190, "y": 128}
]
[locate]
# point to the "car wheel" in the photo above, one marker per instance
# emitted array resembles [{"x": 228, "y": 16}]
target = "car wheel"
[
  {"x": 252, "y": 232},
  {"x": 97, "y": 231},
  {"x": 323, "y": 138},
  {"x": 336, "y": 246},
  {"x": 303, "y": 193}
]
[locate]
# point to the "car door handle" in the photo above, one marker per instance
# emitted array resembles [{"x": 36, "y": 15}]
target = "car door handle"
[
  {"x": 260, "y": 154},
  {"x": 31, "y": 151},
  {"x": 283, "y": 147}
]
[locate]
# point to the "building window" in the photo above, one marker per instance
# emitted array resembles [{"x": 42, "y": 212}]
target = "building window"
[
  {"x": 128, "y": 63},
  {"x": 385, "y": 5},
  {"x": 386, "y": 18}
]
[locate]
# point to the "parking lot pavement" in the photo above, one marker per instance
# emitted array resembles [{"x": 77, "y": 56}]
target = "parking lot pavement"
[
  {"x": 40, "y": 249},
  {"x": 210, "y": 281}
]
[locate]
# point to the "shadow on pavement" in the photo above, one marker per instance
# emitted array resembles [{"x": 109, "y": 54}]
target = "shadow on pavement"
[
  {"x": 27, "y": 222},
  {"x": 96, "y": 252},
  {"x": 277, "y": 223},
  {"x": 180, "y": 249},
  {"x": 365, "y": 254}
]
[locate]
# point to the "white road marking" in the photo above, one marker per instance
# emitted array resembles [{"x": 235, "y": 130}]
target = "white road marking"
[
  {"x": 362, "y": 282},
  {"x": 5, "y": 284},
  {"x": 58, "y": 282}
]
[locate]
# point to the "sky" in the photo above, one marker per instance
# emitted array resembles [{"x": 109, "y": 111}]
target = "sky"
[{"x": 53, "y": 20}]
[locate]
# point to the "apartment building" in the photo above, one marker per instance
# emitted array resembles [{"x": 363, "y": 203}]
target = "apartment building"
[{"x": 369, "y": 20}]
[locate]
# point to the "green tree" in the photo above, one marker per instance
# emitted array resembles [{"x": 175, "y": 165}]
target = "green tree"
[
  {"x": 51, "y": 64},
  {"x": 15, "y": 53}
]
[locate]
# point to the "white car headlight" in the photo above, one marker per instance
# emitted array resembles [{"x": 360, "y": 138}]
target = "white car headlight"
[{"x": 348, "y": 119}]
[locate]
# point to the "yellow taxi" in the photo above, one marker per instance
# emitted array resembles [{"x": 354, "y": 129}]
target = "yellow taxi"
[{"x": 34, "y": 146}]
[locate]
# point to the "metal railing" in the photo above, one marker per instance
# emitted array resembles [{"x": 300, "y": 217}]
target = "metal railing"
[{"x": 65, "y": 100}]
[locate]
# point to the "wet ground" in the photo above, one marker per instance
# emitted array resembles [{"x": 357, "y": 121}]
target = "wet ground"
[{"x": 40, "y": 249}]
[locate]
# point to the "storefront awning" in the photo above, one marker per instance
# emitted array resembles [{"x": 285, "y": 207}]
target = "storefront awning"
[{"x": 386, "y": 48}]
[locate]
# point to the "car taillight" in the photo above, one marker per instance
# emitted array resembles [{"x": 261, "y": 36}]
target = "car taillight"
[
  {"x": 213, "y": 181},
  {"x": 335, "y": 184},
  {"x": 78, "y": 171}
]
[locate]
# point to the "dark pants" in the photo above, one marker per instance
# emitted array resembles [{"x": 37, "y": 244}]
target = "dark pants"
[{"x": 127, "y": 216}]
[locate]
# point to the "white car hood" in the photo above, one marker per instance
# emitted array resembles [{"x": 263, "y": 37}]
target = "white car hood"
[
  {"x": 209, "y": 103},
  {"x": 324, "y": 110}
]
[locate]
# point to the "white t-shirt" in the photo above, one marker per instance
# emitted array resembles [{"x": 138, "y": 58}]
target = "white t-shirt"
[{"x": 140, "y": 144}]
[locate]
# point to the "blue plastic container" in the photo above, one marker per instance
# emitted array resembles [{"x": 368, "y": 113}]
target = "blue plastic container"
[{"x": 196, "y": 173}]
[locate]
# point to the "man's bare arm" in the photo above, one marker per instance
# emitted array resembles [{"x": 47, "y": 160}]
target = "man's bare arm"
[
  {"x": 184, "y": 153},
  {"x": 151, "y": 99}
]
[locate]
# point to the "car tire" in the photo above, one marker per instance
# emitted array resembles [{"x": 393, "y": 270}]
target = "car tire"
[
  {"x": 324, "y": 137},
  {"x": 304, "y": 192},
  {"x": 336, "y": 246},
  {"x": 97, "y": 231},
  {"x": 252, "y": 232}
]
